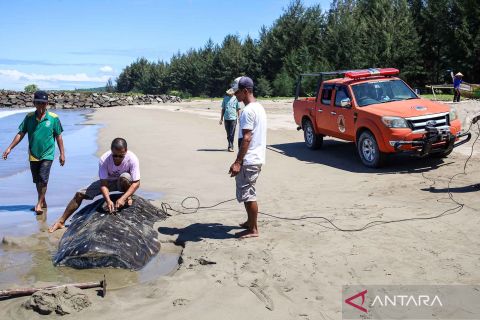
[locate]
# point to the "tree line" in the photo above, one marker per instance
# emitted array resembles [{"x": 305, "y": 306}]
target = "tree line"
[{"x": 425, "y": 39}]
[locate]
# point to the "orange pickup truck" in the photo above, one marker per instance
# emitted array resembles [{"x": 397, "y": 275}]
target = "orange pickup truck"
[{"x": 376, "y": 110}]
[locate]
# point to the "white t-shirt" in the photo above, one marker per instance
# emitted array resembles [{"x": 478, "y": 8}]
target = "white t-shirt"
[{"x": 253, "y": 118}]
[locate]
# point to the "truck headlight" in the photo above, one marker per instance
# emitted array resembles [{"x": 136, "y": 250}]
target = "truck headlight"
[
  {"x": 395, "y": 122},
  {"x": 453, "y": 114}
]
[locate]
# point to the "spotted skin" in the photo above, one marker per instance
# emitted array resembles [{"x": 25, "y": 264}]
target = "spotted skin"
[{"x": 97, "y": 239}]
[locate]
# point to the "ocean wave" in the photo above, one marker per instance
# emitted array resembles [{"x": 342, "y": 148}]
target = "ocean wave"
[{"x": 6, "y": 113}]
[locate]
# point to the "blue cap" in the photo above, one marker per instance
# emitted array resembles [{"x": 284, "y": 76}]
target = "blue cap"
[
  {"x": 40, "y": 96},
  {"x": 242, "y": 83}
]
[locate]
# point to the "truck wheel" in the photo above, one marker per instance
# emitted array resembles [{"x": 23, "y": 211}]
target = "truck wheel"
[
  {"x": 313, "y": 141},
  {"x": 368, "y": 150}
]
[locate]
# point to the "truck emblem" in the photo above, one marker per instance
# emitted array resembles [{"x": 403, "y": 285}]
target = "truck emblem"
[
  {"x": 431, "y": 123},
  {"x": 341, "y": 123}
]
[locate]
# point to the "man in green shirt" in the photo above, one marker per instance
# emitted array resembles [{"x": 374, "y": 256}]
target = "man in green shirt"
[
  {"x": 230, "y": 112},
  {"x": 43, "y": 128}
]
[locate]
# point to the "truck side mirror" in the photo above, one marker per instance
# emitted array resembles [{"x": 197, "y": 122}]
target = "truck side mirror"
[{"x": 346, "y": 103}]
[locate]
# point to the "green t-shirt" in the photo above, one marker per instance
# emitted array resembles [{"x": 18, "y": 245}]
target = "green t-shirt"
[
  {"x": 41, "y": 135},
  {"x": 230, "y": 105}
]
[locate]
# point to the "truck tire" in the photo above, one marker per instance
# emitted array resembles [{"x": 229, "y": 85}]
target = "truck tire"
[
  {"x": 312, "y": 140},
  {"x": 368, "y": 150}
]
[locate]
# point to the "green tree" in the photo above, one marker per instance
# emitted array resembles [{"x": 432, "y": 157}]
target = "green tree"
[
  {"x": 109, "y": 87},
  {"x": 348, "y": 33},
  {"x": 252, "y": 66},
  {"x": 228, "y": 64},
  {"x": 284, "y": 85},
  {"x": 263, "y": 88},
  {"x": 30, "y": 88}
]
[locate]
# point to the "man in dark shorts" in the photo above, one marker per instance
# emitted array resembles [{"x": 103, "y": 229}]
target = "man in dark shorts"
[{"x": 43, "y": 128}]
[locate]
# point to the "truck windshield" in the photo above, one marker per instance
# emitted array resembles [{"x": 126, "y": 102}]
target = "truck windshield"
[{"x": 382, "y": 91}]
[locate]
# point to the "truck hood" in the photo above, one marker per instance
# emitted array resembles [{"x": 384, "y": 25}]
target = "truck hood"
[{"x": 406, "y": 108}]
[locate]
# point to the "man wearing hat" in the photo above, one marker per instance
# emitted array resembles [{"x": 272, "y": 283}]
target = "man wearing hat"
[
  {"x": 457, "y": 81},
  {"x": 230, "y": 113},
  {"x": 251, "y": 154},
  {"x": 43, "y": 128}
]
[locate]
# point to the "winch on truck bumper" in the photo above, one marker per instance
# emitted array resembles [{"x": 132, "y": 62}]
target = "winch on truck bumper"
[{"x": 431, "y": 137}]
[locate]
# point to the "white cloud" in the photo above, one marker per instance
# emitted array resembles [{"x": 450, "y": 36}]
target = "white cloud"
[
  {"x": 16, "y": 75},
  {"x": 106, "y": 69}
]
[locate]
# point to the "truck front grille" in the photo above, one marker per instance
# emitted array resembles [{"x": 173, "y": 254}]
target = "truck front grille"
[{"x": 439, "y": 120}]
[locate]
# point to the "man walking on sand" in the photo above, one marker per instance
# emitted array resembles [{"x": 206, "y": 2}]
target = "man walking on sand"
[
  {"x": 43, "y": 128},
  {"x": 230, "y": 112},
  {"x": 251, "y": 154},
  {"x": 119, "y": 170}
]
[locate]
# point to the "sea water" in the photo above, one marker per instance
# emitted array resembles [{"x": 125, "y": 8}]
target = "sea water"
[{"x": 32, "y": 263}]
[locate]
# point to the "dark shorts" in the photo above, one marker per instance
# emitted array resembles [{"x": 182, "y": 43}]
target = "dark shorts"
[
  {"x": 40, "y": 170},
  {"x": 93, "y": 189}
]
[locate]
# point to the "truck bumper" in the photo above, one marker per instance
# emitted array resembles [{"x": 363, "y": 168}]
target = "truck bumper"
[{"x": 433, "y": 141}]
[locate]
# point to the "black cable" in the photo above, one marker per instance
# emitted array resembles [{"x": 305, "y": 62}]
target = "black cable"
[{"x": 165, "y": 206}]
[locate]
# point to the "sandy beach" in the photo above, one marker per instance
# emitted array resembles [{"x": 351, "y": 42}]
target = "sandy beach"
[{"x": 296, "y": 268}]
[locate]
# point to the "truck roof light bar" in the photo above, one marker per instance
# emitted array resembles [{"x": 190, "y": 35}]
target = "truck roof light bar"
[{"x": 357, "y": 74}]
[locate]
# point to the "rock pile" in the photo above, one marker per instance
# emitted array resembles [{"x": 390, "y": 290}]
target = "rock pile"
[{"x": 72, "y": 100}]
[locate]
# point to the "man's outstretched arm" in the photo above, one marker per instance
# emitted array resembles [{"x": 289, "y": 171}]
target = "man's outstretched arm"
[{"x": 16, "y": 140}]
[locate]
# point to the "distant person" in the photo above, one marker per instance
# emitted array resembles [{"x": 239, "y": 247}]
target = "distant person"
[
  {"x": 119, "y": 170},
  {"x": 251, "y": 154},
  {"x": 457, "y": 81},
  {"x": 43, "y": 128},
  {"x": 230, "y": 113}
]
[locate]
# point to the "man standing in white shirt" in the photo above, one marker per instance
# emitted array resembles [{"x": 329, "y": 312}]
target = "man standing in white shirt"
[{"x": 251, "y": 154}]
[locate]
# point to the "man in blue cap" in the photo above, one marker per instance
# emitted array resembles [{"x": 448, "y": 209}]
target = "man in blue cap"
[
  {"x": 251, "y": 154},
  {"x": 43, "y": 128}
]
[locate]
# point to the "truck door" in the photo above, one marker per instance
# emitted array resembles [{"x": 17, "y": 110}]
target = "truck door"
[
  {"x": 323, "y": 109},
  {"x": 343, "y": 114}
]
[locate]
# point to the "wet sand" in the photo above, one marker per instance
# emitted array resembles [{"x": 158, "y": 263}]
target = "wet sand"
[
  {"x": 26, "y": 247},
  {"x": 296, "y": 269}
]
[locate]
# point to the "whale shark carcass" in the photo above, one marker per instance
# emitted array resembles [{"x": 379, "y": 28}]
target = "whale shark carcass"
[{"x": 97, "y": 239}]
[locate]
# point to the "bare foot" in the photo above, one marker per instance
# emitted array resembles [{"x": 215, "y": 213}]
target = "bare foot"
[
  {"x": 244, "y": 225},
  {"x": 44, "y": 206},
  {"x": 38, "y": 209},
  {"x": 56, "y": 226},
  {"x": 247, "y": 234}
]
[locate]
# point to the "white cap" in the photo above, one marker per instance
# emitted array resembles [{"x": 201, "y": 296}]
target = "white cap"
[{"x": 235, "y": 84}]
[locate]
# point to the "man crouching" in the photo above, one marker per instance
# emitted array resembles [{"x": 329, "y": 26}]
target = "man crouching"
[{"x": 119, "y": 170}]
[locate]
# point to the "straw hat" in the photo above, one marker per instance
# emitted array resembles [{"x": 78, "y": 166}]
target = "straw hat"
[{"x": 459, "y": 74}]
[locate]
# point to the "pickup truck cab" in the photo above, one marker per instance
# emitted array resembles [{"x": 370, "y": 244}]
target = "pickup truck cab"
[{"x": 376, "y": 110}]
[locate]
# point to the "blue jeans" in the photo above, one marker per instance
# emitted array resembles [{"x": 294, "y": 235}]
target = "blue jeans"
[{"x": 230, "y": 126}]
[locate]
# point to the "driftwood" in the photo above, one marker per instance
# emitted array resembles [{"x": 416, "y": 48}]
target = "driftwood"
[{"x": 12, "y": 293}]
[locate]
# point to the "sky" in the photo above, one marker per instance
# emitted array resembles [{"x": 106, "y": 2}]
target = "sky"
[{"x": 68, "y": 44}]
